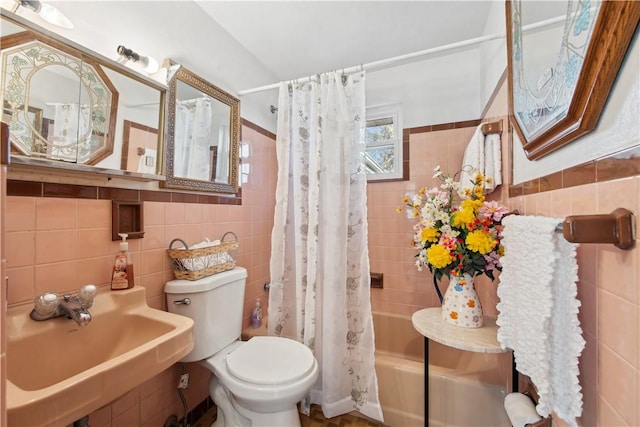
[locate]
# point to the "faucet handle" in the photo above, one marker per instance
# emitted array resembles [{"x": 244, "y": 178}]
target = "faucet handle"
[
  {"x": 86, "y": 295},
  {"x": 46, "y": 303}
]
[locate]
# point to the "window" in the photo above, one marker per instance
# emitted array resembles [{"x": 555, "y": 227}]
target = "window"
[{"x": 383, "y": 137}]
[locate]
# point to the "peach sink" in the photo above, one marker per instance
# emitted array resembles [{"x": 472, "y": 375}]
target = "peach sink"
[{"x": 58, "y": 372}]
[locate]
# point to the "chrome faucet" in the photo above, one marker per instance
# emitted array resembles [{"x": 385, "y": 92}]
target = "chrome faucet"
[{"x": 49, "y": 306}]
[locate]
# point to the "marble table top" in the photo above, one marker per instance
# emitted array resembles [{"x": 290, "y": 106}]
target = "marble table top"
[{"x": 430, "y": 324}]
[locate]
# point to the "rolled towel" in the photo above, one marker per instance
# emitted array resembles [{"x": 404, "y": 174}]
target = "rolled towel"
[{"x": 520, "y": 409}]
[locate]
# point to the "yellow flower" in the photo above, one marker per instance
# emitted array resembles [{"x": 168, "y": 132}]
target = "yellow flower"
[
  {"x": 471, "y": 204},
  {"x": 398, "y": 209},
  {"x": 438, "y": 256},
  {"x": 478, "y": 193},
  {"x": 415, "y": 213},
  {"x": 405, "y": 199},
  {"x": 467, "y": 213},
  {"x": 429, "y": 234},
  {"x": 480, "y": 241}
]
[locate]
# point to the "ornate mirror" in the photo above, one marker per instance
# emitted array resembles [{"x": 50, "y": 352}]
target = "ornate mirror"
[
  {"x": 68, "y": 107},
  {"x": 202, "y": 136},
  {"x": 560, "y": 75},
  {"x": 77, "y": 98}
]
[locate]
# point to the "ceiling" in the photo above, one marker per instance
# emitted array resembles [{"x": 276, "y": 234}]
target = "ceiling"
[{"x": 300, "y": 38}]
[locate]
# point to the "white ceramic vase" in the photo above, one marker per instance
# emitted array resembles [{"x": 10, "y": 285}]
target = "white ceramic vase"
[{"x": 461, "y": 305}]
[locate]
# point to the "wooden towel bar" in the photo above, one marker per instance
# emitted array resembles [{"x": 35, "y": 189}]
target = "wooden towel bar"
[{"x": 618, "y": 227}]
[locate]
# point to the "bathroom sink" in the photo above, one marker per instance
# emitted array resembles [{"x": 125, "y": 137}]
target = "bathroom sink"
[{"x": 58, "y": 372}]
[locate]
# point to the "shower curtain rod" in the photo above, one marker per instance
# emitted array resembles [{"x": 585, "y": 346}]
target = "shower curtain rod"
[{"x": 383, "y": 63}]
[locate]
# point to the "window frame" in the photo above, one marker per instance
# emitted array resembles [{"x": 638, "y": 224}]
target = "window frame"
[{"x": 393, "y": 111}]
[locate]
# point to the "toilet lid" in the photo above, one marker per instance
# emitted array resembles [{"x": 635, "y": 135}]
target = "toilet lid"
[{"x": 270, "y": 360}]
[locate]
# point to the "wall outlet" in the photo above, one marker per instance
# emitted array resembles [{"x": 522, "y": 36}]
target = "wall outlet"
[{"x": 184, "y": 381}]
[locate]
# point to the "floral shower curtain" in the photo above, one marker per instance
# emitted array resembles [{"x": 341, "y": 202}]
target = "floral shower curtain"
[
  {"x": 71, "y": 136},
  {"x": 319, "y": 259},
  {"x": 192, "y": 143}
]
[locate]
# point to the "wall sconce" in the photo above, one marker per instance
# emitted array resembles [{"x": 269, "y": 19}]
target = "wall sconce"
[
  {"x": 148, "y": 64},
  {"x": 47, "y": 12}
]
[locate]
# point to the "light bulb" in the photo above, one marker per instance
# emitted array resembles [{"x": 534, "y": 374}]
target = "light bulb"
[
  {"x": 53, "y": 16},
  {"x": 149, "y": 64}
]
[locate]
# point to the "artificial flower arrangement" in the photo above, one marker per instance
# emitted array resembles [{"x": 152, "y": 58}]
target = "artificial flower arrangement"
[{"x": 456, "y": 239}]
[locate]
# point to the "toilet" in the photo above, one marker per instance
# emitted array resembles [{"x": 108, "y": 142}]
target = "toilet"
[{"x": 255, "y": 383}]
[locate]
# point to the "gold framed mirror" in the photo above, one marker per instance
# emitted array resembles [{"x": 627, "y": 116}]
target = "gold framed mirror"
[
  {"x": 67, "y": 106},
  {"x": 203, "y": 134},
  {"x": 560, "y": 75}
]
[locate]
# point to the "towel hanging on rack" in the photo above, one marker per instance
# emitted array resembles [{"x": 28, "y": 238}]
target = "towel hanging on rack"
[
  {"x": 538, "y": 311},
  {"x": 483, "y": 154}
]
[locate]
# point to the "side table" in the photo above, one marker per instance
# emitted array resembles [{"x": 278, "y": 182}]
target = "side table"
[{"x": 430, "y": 324}]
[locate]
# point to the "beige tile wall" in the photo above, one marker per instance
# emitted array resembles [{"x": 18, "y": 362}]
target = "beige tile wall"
[
  {"x": 3, "y": 301},
  {"x": 406, "y": 289},
  {"x": 609, "y": 287},
  {"x": 610, "y": 296},
  {"x": 58, "y": 244}
]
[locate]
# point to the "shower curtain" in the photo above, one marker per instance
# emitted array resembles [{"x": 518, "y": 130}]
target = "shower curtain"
[
  {"x": 320, "y": 292},
  {"x": 192, "y": 151},
  {"x": 71, "y": 137}
]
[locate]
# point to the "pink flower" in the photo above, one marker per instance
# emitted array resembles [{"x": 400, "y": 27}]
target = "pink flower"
[
  {"x": 493, "y": 211},
  {"x": 493, "y": 261}
]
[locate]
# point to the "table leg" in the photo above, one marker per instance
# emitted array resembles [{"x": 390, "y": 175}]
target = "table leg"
[
  {"x": 426, "y": 382},
  {"x": 514, "y": 374}
]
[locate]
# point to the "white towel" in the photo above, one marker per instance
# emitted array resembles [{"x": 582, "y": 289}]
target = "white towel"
[
  {"x": 538, "y": 311},
  {"x": 482, "y": 154},
  {"x": 492, "y": 161},
  {"x": 202, "y": 262}
]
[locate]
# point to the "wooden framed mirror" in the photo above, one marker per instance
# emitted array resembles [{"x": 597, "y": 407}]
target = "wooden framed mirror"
[
  {"x": 203, "y": 134},
  {"x": 67, "y": 106},
  {"x": 560, "y": 75}
]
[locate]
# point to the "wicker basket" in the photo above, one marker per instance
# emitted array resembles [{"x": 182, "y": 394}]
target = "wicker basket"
[{"x": 194, "y": 264}]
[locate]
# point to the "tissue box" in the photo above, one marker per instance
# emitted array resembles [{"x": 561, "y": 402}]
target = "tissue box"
[{"x": 196, "y": 263}]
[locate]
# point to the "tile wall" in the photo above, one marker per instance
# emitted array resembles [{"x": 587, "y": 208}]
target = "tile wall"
[
  {"x": 609, "y": 286},
  {"x": 3, "y": 301},
  {"x": 61, "y": 243}
]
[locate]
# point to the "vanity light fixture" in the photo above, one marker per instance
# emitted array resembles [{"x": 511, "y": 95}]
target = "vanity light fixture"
[
  {"x": 47, "y": 12},
  {"x": 148, "y": 64}
]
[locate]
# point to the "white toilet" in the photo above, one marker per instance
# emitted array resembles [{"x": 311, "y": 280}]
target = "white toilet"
[{"x": 254, "y": 383}]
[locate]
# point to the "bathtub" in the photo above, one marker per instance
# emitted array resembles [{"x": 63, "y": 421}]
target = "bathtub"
[{"x": 466, "y": 389}]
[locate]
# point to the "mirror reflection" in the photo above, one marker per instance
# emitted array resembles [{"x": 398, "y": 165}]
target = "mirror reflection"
[
  {"x": 547, "y": 62},
  {"x": 563, "y": 58},
  {"x": 77, "y": 103},
  {"x": 202, "y": 138},
  {"x": 203, "y": 135},
  {"x": 68, "y": 107}
]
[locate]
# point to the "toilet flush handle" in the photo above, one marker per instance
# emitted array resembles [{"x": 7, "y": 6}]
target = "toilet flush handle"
[{"x": 185, "y": 301}]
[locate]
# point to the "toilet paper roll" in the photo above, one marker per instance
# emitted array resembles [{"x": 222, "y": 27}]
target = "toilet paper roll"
[{"x": 520, "y": 409}]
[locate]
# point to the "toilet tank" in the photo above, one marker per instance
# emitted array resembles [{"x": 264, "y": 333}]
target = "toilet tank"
[{"x": 215, "y": 303}]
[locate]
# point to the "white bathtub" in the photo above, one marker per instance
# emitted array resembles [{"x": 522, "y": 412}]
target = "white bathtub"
[{"x": 466, "y": 389}]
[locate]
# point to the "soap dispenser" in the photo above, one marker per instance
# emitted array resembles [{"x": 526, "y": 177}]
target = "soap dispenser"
[{"x": 122, "y": 277}]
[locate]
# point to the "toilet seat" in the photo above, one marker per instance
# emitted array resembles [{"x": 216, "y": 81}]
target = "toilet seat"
[{"x": 270, "y": 360}]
